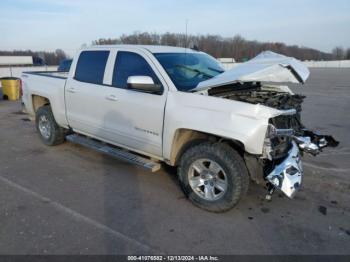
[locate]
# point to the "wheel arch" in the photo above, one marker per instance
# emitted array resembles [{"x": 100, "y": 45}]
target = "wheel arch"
[
  {"x": 186, "y": 138},
  {"x": 39, "y": 101}
]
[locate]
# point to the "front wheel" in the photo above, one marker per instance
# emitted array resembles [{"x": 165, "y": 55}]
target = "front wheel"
[
  {"x": 49, "y": 131},
  {"x": 213, "y": 176}
]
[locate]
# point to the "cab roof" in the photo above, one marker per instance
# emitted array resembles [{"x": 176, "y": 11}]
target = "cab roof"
[{"x": 150, "y": 48}]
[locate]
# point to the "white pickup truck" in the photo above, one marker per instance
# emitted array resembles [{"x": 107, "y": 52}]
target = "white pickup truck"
[{"x": 152, "y": 104}]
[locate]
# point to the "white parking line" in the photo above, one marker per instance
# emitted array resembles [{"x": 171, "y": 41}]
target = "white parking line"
[
  {"x": 79, "y": 217},
  {"x": 335, "y": 153}
]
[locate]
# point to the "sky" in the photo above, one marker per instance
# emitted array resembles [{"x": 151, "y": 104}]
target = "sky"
[{"x": 69, "y": 24}]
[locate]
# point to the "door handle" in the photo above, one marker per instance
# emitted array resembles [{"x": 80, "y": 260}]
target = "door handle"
[
  {"x": 112, "y": 98},
  {"x": 71, "y": 90}
]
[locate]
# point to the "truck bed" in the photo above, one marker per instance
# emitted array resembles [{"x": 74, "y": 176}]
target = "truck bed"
[
  {"x": 49, "y": 85},
  {"x": 55, "y": 74}
]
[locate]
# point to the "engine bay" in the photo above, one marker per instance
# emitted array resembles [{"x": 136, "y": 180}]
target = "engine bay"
[{"x": 255, "y": 93}]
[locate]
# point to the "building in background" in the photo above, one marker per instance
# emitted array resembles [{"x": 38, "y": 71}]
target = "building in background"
[{"x": 16, "y": 60}]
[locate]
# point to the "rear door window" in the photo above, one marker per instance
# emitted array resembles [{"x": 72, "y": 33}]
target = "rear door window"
[
  {"x": 130, "y": 64},
  {"x": 91, "y": 66}
]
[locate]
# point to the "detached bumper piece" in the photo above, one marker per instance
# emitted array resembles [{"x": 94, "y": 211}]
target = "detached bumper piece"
[
  {"x": 287, "y": 176},
  {"x": 313, "y": 143}
]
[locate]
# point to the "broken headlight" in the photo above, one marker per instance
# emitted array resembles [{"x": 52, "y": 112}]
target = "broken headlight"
[
  {"x": 273, "y": 132},
  {"x": 277, "y": 142}
]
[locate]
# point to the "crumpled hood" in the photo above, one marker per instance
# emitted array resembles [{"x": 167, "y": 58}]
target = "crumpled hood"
[{"x": 265, "y": 67}]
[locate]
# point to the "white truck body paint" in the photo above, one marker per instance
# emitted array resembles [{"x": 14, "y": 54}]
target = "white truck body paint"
[
  {"x": 51, "y": 88},
  {"x": 147, "y": 123}
]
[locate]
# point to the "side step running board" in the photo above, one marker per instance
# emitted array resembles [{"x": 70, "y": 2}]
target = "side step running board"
[{"x": 114, "y": 152}]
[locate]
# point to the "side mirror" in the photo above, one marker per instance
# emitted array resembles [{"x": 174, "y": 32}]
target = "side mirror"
[{"x": 143, "y": 83}]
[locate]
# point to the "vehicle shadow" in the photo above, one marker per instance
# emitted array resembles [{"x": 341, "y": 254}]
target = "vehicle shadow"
[{"x": 124, "y": 200}]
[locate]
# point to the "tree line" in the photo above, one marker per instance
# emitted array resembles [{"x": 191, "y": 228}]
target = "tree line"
[
  {"x": 234, "y": 47},
  {"x": 339, "y": 53},
  {"x": 39, "y": 57}
]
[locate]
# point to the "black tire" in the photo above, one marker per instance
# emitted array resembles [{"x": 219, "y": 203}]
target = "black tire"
[
  {"x": 231, "y": 163},
  {"x": 56, "y": 134}
]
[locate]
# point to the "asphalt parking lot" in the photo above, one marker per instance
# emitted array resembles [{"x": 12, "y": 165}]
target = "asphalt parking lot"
[{"x": 71, "y": 200}]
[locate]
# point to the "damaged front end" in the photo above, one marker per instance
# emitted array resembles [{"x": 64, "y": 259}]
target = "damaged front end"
[
  {"x": 283, "y": 169},
  {"x": 287, "y": 139}
]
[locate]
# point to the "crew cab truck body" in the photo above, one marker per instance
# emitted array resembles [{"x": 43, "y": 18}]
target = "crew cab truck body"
[{"x": 178, "y": 106}]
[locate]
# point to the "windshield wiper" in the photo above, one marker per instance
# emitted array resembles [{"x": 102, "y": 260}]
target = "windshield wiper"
[
  {"x": 195, "y": 70},
  {"x": 216, "y": 70}
]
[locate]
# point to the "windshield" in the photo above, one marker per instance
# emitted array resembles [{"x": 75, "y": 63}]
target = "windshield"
[{"x": 186, "y": 70}]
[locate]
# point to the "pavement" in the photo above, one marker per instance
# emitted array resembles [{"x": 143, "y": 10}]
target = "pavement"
[{"x": 71, "y": 200}]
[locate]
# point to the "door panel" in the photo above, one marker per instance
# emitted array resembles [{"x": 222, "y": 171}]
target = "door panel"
[
  {"x": 86, "y": 106},
  {"x": 85, "y": 93},
  {"x": 136, "y": 118}
]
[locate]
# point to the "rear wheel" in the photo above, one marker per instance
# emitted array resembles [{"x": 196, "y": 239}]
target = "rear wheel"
[
  {"x": 49, "y": 131},
  {"x": 213, "y": 176}
]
